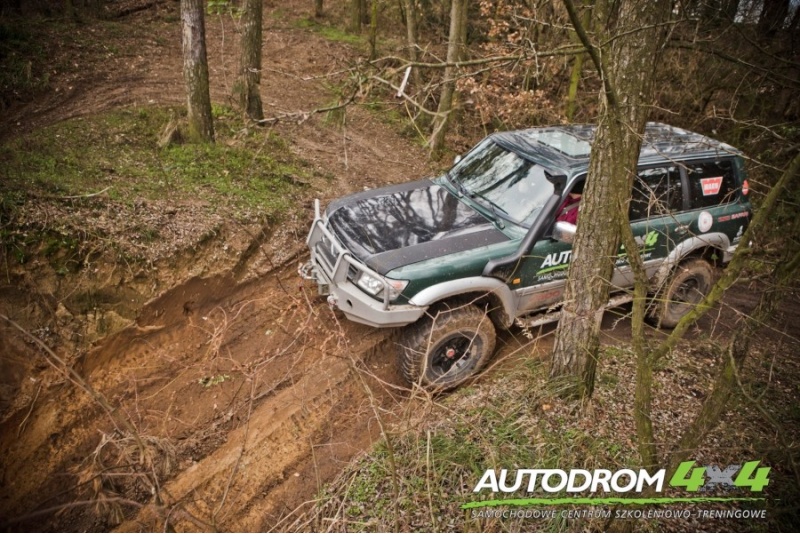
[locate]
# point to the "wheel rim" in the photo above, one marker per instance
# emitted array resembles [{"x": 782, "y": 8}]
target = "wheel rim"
[
  {"x": 453, "y": 354},
  {"x": 688, "y": 294},
  {"x": 690, "y": 291}
]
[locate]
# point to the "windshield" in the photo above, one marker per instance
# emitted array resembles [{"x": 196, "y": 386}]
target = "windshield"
[{"x": 515, "y": 186}]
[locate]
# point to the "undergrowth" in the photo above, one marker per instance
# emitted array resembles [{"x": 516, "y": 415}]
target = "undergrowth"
[
  {"x": 108, "y": 168},
  {"x": 441, "y": 451},
  {"x": 118, "y": 151}
]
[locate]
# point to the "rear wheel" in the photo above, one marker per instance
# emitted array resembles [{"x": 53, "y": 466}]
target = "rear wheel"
[
  {"x": 443, "y": 350},
  {"x": 689, "y": 284}
]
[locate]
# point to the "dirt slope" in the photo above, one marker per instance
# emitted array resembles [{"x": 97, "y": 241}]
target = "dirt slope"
[{"x": 241, "y": 386}]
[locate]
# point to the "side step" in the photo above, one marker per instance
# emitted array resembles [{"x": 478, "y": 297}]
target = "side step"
[{"x": 545, "y": 318}]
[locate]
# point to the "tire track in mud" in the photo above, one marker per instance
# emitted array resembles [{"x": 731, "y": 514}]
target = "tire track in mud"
[
  {"x": 249, "y": 385},
  {"x": 253, "y": 388}
]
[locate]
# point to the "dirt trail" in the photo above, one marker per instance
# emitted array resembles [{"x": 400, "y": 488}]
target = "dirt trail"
[
  {"x": 240, "y": 381},
  {"x": 242, "y": 386}
]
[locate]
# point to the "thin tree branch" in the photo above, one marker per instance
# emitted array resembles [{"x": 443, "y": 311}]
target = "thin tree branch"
[
  {"x": 611, "y": 94},
  {"x": 769, "y": 72}
]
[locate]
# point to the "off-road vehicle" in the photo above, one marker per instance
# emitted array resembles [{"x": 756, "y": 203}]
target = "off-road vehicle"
[{"x": 455, "y": 257}]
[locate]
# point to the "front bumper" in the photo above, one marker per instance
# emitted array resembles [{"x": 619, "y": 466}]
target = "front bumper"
[{"x": 333, "y": 268}]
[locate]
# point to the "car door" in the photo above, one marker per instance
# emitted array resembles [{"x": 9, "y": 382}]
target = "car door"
[
  {"x": 657, "y": 223},
  {"x": 713, "y": 195},
  {"x": 657, "y": 219},
  {"x": 539, "y": 282}
]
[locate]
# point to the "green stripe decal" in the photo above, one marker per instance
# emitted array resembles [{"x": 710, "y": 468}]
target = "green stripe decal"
[
  {"x": 610, "y": 500},
  {"x": 553, "y": 268}
]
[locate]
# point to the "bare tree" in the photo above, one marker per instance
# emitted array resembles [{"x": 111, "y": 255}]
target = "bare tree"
[
  {"x": 410, "y": 8},
  {"x": 773, "y": 16},
  {"x": 248, "y": 86},
  {"x": 195, "y": 72},
  {"x": 357, "y": 9},
  {"x": 577, "y": 65},
  {"x": 456, "y": 40},
  {"x": 373, "y": 30},
  {"x": 633, "y": 34}
]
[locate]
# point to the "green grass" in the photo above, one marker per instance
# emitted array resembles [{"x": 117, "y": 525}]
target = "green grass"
[
  {"x": 118, "y": 151},
  {"x": 248, "y": 175},
  {"x": 439, "y": 462},
  {"x": 330, "y": 33}
]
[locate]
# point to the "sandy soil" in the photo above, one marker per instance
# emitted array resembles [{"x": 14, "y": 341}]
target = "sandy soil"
[{"x": 247, "y": 392}]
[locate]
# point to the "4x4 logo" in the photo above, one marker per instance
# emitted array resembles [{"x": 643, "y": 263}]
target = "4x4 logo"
[
  {"x": 709, "y": 477},
  {"x": 556, "y": 261}
]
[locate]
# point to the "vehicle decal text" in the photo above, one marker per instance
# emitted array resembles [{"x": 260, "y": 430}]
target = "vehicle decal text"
[{"x": 559, "y": 261}]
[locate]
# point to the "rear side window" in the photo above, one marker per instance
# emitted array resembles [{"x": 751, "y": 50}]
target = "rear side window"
[
  {"x": 711, "y": 183},
  {"x": 656, "y": 193}
]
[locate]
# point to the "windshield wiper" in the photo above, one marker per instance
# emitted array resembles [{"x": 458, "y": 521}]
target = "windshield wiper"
[
  {"x": 462, "y": 190},
  {"x": 492, "y": 206}
]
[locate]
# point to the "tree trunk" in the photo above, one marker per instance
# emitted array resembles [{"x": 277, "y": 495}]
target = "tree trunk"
[
  {"x": 628, "y": 69},
  {"x": 195, "y": 72},
  {"x": 355, "y": 16},
  {"x": 410, "y": 8},
  {"x": 441, "y": 121},
  {"x": 574, "y": 81},
  {"x": 773, "y": 16},
  {"x": 318, "y": 11},
  {"x": 373, "y": 31},
  {"x": 577, "y": 65},
  {"x": 248, "y": 86},
  {"x": 70, "y": 11}
]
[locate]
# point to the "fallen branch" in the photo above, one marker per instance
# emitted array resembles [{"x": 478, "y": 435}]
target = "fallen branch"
[
  {"x": 570, "y": 50},
  {"x": 88, "y": 195},
  {"x": 301, "y": 116}
]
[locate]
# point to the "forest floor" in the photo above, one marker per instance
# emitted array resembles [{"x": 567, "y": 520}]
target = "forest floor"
[{"x": 247, "y": 393}]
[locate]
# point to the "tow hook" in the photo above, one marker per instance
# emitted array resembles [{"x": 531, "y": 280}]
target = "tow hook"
[
  {"x": 333, "y": 302},
  {"x": 306, "y": 271}
]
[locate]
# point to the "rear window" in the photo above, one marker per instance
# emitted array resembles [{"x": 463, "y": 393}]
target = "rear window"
[
  {"x": 656, "y": 192},
  {"x": 711, "y": 183}
]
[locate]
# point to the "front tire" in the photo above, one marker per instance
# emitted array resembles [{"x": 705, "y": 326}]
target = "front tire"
[
  {"x": 688, "y": 285},
  {"x": 447, "y": 347}
]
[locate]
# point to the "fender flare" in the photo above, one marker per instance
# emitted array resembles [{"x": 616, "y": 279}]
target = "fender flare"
[
  {"x": 717, "y": 240},
  {"x": 474, "y": 284}
]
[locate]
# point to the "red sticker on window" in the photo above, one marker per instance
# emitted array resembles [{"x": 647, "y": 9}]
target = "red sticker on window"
[{"x": 711, "y": 186}]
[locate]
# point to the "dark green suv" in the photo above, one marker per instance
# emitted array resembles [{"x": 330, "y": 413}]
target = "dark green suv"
[{"x": 487, "y": 244}]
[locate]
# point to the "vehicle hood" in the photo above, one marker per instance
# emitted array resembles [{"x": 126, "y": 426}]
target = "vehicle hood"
[{"x": 399, "y": 225}]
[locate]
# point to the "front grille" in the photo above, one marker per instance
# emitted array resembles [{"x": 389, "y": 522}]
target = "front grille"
[
  {"x": 352, "y": 272},
  {"x": 327, "y": 259},
  {"x": 327, "y": 251}
]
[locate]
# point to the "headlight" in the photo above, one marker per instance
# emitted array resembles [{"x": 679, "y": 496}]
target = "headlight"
[{"x": 374, "y": 285}]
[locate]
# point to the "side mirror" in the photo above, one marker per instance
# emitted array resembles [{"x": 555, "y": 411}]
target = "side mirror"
[
  {"x": 457, "y": 159},
  {"x": 564, "y": 232}
]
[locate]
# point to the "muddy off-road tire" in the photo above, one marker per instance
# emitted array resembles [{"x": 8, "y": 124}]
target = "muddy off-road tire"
[
  {"x": 447, "y": 347},
  {"x": 689, "y": 284}
]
